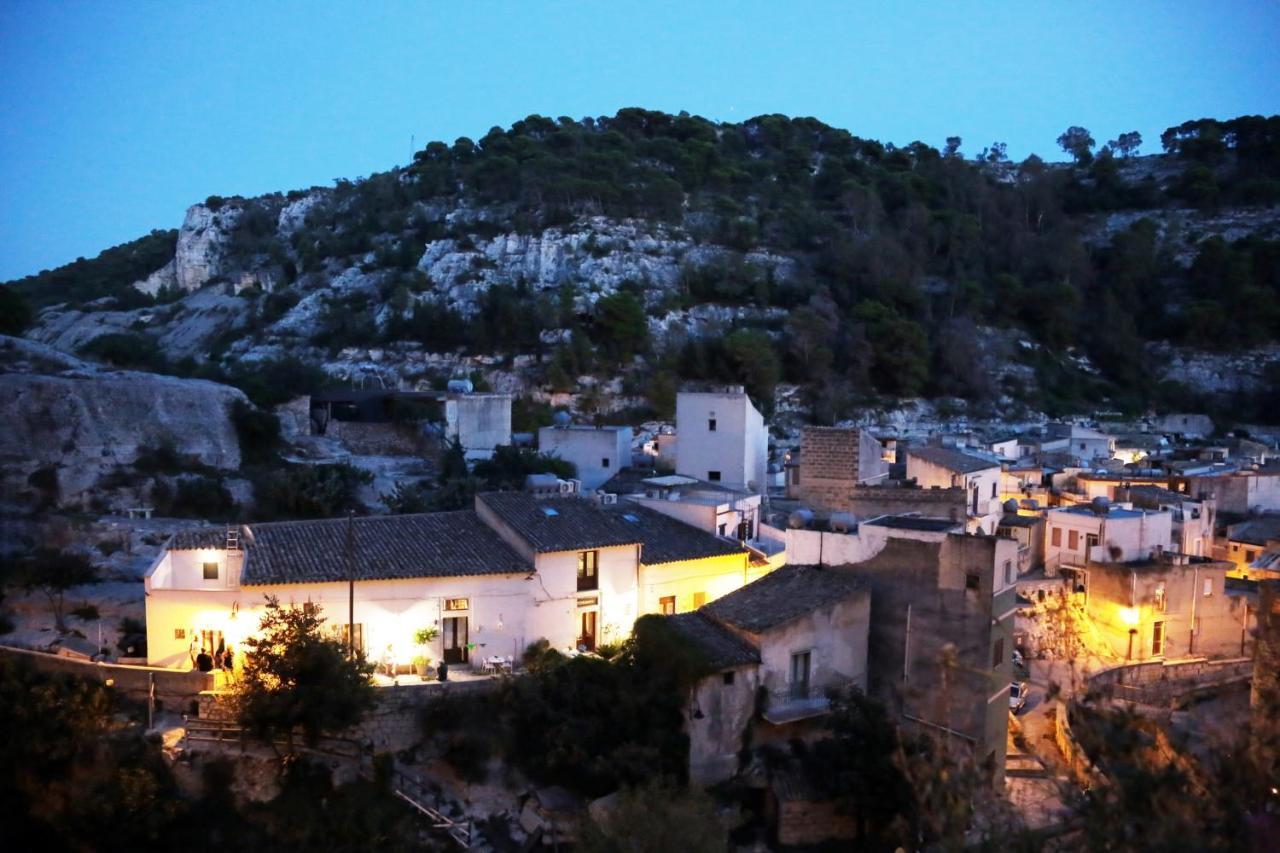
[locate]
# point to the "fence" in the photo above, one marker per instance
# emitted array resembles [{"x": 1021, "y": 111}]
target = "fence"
[{"x": 1160, "y": 684}]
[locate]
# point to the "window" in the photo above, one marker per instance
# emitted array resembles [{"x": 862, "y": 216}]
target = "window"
[
  {"x": 588, "y": 562},
  {"x": 723, "y": 528},
  {"x": 604, "y": 463},
  {"x": 971, "y": 581},
  {"x": 1073, "y": 540},
  {"x": 667, "y": 604},
  {"x": 1082, "y": 445},
  {"x": 1160, "y": 605},
  {"x": 1157, "y": 639},
  {"x": 1055, "y": 537},
  {"x": 179, "y": 633},
  {"x": 211, "y": 571},
  {"x": 728, "y": 679},
  {"x": 340, "y": 633},
  {"x": 699, "y": 599},
  {"x": 997, "y": 653},
  {"x": 993, "y": 490},
  {"x": 1008, "y": 572},
  {"x": 711, "y": 424},
  {"x": 1208, "y": 587},
  {"x": 457, "y": 604},
  {"x": 713, "y": 476},
  {"x": 800, "y": 675},
  {"x": 1250, "y": 556}
]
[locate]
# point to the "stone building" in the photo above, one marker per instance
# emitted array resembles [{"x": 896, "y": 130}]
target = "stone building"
[
  {"x": 777, "y": 646},
  {"x": 834, "y": 462},
  {"x": 944, "y": 468},
  {"x": 942, "y": 619},
  {"x": 1170, "y": 606}
]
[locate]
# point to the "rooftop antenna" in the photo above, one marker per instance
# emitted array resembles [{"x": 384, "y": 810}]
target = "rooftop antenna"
[{"x": 412, "y": 147}]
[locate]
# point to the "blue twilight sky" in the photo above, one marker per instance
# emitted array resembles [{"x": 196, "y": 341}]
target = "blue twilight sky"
[{"x": 115, "y": 116}]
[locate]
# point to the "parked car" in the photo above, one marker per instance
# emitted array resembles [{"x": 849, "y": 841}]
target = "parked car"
[{"x": 1017, "y": 696}]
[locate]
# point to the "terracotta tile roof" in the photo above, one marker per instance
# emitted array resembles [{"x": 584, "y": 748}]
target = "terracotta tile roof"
[
  {"x": 664, "y": 539},
  {"x": 720, "y": 647},
  {"x": 783, "y": 595},
  {"x": 952, "y": 460},
  {"x": 439, "y": 544},
  {"x": 560, "y": 524}
]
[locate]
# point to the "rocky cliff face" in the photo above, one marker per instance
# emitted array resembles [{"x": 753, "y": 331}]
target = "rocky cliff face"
[{"x": 70, "y": 424}]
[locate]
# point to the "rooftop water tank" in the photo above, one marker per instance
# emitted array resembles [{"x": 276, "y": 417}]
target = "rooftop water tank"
[
  {"x": 460, "y": 386},
  {"x": 1100, "y": 505},
  {"x": 562, "y": 418},
  {"x": 843, "y": 522},
  {"x": 800, "y": 519},
  {"x": 1011, "y": 506}
]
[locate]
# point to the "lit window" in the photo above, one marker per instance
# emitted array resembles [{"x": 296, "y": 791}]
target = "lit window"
[
  {"x": 667, "y": 604},
  {"x": 211, "y": 571},
  {"x": 179, "y": 633},
  {"x": 699, "y": 599},
  {"x": 588, "y": 564},
  {"x": 1208, "y": 587},
  {"x": 457, "y": 604}
]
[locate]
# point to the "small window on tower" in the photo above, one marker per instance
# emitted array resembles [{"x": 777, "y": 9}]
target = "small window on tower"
[
  {"x": 713, "y": 476},
  {"x": 728, "y": 678},
  {"x": 711, "y": 424},
  {"x": 971, "y": 581},
  {"x": 604, "y": 463}
]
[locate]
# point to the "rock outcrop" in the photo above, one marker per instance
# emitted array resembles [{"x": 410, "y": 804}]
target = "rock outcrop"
[{"x": 70, "y": 423}]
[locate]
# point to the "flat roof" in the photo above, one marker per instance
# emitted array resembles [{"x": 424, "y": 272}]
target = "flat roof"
[{"x": 915, "y": 522}]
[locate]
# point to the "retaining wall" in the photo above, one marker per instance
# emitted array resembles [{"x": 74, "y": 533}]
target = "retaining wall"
[
  {"x": 1160, "y": 683},
  {"x": 172, "y": 686}
]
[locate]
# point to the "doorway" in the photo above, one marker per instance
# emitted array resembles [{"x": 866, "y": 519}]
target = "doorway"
[
  {"x": 587, "y": 634},
  {"x": 455, "y": 639}
]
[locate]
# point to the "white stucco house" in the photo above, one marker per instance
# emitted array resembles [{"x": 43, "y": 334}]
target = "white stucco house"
[
  {"x": 491, "y": 579},
  {"x": 597, "y": 452},
  {"x": 721, "y": 438},
  {"x": 1075, "y": 536}
]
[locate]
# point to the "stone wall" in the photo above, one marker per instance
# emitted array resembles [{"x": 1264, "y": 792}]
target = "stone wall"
[
  {"x": 833, "y": 462},
  {"x": 376, "y": 439},
  {"x": 395, "y": 721},
  {"x": 872, "y": 501},
  {"x": 172, "y": 686},
  {"x": 1159, "y": 684}
]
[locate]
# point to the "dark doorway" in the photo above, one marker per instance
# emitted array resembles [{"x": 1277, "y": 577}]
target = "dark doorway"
[
  {"x": 455, "y": 639},
  {"x": 587, "y": 638}
]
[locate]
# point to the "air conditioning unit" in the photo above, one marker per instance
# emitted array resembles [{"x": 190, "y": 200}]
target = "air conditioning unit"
[
  {"x": 570, "y": 487},
  {"x": 606, "y": 498}
]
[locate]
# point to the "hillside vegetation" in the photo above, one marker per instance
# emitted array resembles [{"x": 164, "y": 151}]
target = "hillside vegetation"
[{"x": 897, "y": 259}]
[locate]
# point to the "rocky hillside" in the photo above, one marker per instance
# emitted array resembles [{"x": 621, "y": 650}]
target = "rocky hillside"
[
  {"x": 646, "y": 249},
  {"x": 75, "y": 430}
]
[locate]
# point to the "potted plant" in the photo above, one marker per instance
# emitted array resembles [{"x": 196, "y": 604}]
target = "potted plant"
[{"x": 422, "y": 663}]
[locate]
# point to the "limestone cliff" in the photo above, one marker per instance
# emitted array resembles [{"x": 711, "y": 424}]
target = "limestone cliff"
[{"x": 71, "y": 423}]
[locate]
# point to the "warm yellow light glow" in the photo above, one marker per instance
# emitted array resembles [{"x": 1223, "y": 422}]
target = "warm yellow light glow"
[{"x": 1129, "y": 615}]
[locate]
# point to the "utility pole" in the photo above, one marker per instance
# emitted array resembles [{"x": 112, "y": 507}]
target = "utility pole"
[{"x": 351, "y": 584}]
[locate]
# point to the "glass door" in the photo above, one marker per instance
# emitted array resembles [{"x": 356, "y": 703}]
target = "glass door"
[{"x": 455, "y": 639}]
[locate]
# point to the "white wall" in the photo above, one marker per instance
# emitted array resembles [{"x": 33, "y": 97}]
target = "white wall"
[
  {"x": 589, "y": 449},
  {"x": 1136, "y": 537},
  {"x": 836, "y": 639},
  {"x": 738, "y": 448},
  {"x": 481, "y": 422},
  {"x": 556, "y": 614},
  {"x": 390, "y": 611}
]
